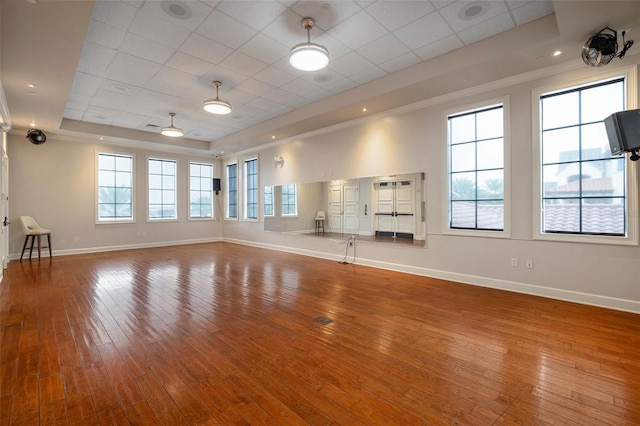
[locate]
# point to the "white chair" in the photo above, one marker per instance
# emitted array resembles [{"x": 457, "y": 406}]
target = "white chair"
[
  {"x": 320, "y": 221},
  {"x": 33, "y": 230}
]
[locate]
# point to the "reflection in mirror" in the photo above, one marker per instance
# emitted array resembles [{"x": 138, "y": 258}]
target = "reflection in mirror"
[{"x": 387, "y": 209}]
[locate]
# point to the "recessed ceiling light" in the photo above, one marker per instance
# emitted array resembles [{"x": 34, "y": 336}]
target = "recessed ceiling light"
[
  {"x": 364, "y": 110},
  {"x": 473, "y": 10},
  {"x": 118, "y": 88},
  {"x": 32, "y": 86},
  {"x": 176, "y": 9},
  {"x": 32, "y": 124},
  {"x": 273, "y": 137},
  {"x": 557, "y": 53},
  {"x": 322, "y": 78}
]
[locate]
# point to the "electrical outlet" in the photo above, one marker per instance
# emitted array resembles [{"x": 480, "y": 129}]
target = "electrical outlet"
[
  {"x": 514, "y": 262},
  {"x": 529, "y": 263}
]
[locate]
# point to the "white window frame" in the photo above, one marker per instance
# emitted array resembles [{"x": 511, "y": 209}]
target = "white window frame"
[
  {"x": 282, "y": 213},
  {"x": 213, "y": 213},
  {"x": 272, "y": 204},
  {"x": 245, "y": 190},
  {"x": 227, "y": 188},
  {"x": 97, "y": 187},
  {"x": 631, "y": 238},
  {"x": 163, "y": 219},
  {"x": 446, "y": 202}
]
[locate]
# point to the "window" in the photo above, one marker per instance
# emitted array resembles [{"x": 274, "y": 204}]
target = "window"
[
  {"x": 232, "y": 191},
  {"x": 268, "y": 201},
  {"x": 289, "y": 200},
  {"x": 476, "y": 169},
  {"x": 162, "y": 189},
  {"x": 115, "y": 187},
  {"x": 583, "y": 188},
  {"x": 200, "y": 190},
  {"x": 251, "y": 189}
]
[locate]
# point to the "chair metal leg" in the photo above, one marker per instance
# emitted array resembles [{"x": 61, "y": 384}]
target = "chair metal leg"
[
  {"x": 33, "y": 240},
  {"x": 49, "y": 243},
  {"x": 24, "y": 246},
  {"x": 39, "y": 246}
]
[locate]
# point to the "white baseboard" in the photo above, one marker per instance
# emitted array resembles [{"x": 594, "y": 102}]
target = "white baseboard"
[
  {"x": 86, "y": 250},
  {"x": 551, "y": 293}
]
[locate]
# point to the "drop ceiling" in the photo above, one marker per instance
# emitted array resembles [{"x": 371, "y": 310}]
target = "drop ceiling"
[{"x": 118, "y": 68}]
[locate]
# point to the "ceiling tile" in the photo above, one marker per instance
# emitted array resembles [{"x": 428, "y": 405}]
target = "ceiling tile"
[
  {"x": 299, "y": 86},
  {"x": 73, "y": 114},
  {"x": 95, "y": 59},
  {"x": 85, "y": 84},
  {"x": 351, "y": 33},
  {"x": 243, "y": 64},
  {"x": 263, "y": 104},
  {"x": 350, "y": 64},
  {"x": 404, "y": 61},
  {"x": 105, "y": 35},
  {"x": 487, "y": 28},
  {"x": 205, "y": 49},
  {"x": 159, "y": 30},
  {"x": 146, "y": 49},
  {"x": 254, "y": 87},
  {"x": 274, "y": 76},
  {"x": 187, "y": 14},
  {"x": 264, "y": 49},
  {"x": 114, "y": 13},
  {"x": 109, "y": 99},
  {"x": 172, "y": 77},
  {"x": 326, "y": 14},
  {"x": 285, "y": 98},
  {"x": 531, "y": 10},
  {"x": 383, "y": 49},
  {"x": 342, "y": 85},
  {"x": 131, "y": 70},
  {"x": 287, "y": 29},
  {"x": 189, "y": 64},
  {"x": 368, "y": 75},
  {"x": 424, "y": 31},
  {"x": 127, "y": 119},
  {"x": 256, "y": 14},
  {"x": 439, "y": 47},
  {"x": 225, "y": 30},
  {"x": 397, "y": 14},
  {"x": 455, "y": 14}
]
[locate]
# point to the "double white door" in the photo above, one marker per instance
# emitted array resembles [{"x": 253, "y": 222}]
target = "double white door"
[
  {"x": 395, "y": 214},
  {"x": 343, "y": 208}
]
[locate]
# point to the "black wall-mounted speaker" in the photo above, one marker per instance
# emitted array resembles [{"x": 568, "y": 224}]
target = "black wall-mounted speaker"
[
  {"x": 623, "y": 131},
  {"x": 216, "y": 185},
  {"x": 37, "y": 137}
]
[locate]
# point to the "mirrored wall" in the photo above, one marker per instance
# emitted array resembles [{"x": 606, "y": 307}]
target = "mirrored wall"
[{"x": 387, "y": 209}]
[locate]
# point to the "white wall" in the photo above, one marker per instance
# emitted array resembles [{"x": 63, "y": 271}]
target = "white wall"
[
  {"x": 414, "y": 141},
  {"x": 55, "y": 183}
]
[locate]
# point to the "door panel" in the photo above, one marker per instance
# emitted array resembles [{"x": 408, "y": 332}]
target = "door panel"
[
  {"x": 350, "y": 209},
  {"x": 335, "y": 208},
  {"x": 396, "y": 209}
]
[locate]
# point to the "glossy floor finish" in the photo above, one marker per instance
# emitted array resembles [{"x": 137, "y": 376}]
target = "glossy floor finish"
[{"x": 225, "y": 334}]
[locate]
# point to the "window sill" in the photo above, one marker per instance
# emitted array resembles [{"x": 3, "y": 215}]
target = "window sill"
[{"x": 587, "y": 239}]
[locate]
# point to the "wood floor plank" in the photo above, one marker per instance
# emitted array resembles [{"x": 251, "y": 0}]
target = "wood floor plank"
[{"x": 224, "y": 334}]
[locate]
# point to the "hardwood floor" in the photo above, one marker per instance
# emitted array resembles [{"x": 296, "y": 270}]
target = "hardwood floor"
[{"x": 225, "y": 334}]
